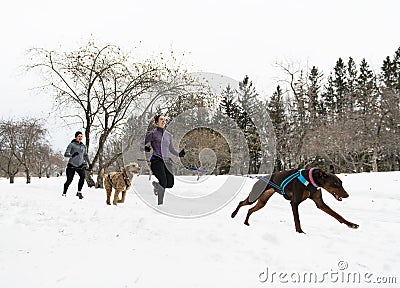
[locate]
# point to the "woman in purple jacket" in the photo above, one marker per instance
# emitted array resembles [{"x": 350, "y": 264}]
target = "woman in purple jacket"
[{"x": 160, "y": 162}]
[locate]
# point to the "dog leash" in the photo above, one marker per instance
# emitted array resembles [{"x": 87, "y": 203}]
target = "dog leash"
[{"x": 191, "y": 168}]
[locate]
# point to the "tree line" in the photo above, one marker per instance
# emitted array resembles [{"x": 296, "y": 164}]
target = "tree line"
[
  {"x": 350, "y": 120},
  {"x": 24, "y": 150}
]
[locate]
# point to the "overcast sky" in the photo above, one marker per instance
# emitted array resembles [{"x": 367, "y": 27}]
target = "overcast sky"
[{"x": 233, "y": 38}]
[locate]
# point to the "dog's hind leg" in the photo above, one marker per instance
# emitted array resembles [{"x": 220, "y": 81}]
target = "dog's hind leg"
[
  {"x": 116, "y": 196},
  {"x": 255, "y": 193},
  {"x": 262, "y": 200},
  {"x": 122, "y": 197},
  {"x": 241, "y": 203}
]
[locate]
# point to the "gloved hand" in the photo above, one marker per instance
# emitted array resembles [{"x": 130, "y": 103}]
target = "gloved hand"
[
  {"x": 90, "y": 166},
  {"x": 182, "y": 153},
  {"x": 75, "y": 154},
  {"x": 147, "y": 148}
]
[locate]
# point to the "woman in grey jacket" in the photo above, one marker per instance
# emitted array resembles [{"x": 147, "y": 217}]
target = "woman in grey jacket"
[{"x": 76, "y": 152}]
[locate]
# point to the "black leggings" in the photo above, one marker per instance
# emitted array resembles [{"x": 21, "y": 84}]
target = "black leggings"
[
  {"x": 70, "y": 176},
  {"x": 163, "y": 172}
]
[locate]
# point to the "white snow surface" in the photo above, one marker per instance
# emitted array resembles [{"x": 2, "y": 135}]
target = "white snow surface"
[{"x": 52, "y": 241}]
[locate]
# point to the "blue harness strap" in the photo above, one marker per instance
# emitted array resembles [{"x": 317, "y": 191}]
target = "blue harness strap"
[
  {"x": 287, "y": 180},
  {"x": 269, "y": 182},
  {"x": 302, "y": 179}
]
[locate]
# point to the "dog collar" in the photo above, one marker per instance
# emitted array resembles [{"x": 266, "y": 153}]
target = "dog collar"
[
  {"x": 305, "y": 182},
  {"x": 311, "y": 178},
  {"x": 312, "y": 187}
]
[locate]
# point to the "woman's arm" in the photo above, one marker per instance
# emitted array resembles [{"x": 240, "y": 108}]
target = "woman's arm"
[
  {"x": 172, "y": 148},
  {"x": 148, "y": 139},
  {"x": 68, "y": 151}
]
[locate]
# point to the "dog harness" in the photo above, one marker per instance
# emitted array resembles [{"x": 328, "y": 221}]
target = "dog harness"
[
  {"x": 310, "y": 185},
  {"x": 126, "y": 180},
  {"x": 124, "y": 176}
]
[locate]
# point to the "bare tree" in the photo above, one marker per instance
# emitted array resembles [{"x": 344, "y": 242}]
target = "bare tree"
[
  {"x": 48, "y": 162},
  {"x": 9, "y": 164},
  {"x": 97, "y": 86},
  {"x": 29, "y": 137}
]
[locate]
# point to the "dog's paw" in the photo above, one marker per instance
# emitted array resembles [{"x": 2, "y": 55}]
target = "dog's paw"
[{"x": 353, "y": 226}]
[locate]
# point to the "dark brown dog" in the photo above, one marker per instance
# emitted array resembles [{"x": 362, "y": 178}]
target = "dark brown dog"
[
  {"x": 297, "y": 193},
  {"x": 120, "y": 181}
]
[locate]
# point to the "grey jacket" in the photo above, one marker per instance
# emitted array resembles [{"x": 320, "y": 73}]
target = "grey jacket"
[{"x": 77, "y": 160}]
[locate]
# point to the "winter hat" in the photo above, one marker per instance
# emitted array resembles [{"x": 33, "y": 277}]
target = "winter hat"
[{"x": 78, "y": 133}]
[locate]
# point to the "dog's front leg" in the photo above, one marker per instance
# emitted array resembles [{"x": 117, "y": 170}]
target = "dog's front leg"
[
  {"x": 122, "y": 197},
  {"x": 321, "y": 205},
  {"x": 108, "y": 191},
  {"x": 295, "y": 209}
]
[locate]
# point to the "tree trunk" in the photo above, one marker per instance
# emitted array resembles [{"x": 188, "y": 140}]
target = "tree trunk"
[
  {"x": 99, "y": 183},
  {"x": 28, "y": 176},
  {"x": 375, "y": 160},
  {"x": 102, "y": 140},
  {"x": 12, "y": 179}
]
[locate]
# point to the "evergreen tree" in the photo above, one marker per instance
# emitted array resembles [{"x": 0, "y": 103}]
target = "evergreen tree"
[
  {"x": 276, "y": 111},
  {"x": 228, "y": 105},
  {"x": 352, "y": 75},
  {"x": 396, "y": 62},
  {"x": 250, "y": 108},
  {"x": 340, "y": 83},
  {"x": 388, "y": 74},
  {"x": 367, "y": 89},
  {"x": 276, "y": 108},
  {"x": 241, "y": 105},
  {"x": 314, "y": 87},
  {"x": 329, "y": 101}
]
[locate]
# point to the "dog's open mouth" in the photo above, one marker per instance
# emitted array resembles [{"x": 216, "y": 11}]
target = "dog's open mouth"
[{"x": 338, "y": 198}]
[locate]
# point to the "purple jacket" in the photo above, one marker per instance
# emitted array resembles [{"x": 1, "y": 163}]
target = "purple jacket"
[{"x": 161, "y": 142}]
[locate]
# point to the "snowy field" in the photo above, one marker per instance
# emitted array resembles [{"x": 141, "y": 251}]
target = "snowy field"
[{"x": 50, "y": 241}]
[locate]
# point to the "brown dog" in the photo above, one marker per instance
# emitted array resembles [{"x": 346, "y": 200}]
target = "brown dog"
[
  {"x": 297, "y": 192},
  {"x": 120, "y": 181}
]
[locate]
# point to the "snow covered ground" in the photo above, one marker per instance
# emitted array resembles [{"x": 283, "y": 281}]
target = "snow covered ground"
[{"x": 51, "y": 241}]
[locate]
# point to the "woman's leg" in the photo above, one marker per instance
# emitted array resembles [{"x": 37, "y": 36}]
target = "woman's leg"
[
  {"x": 81, "y": 173},
  {"x": 158, "y": 169},
  {"x": 70, "y": 176},
  {"x": 169, "y": 175}
]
